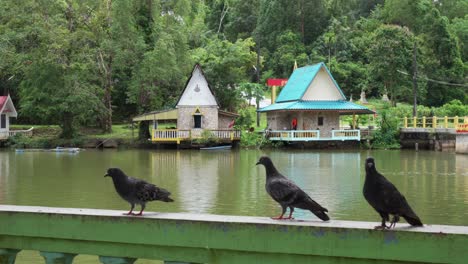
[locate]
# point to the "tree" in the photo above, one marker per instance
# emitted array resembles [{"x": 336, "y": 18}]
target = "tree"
[
  {"x": 391, "y": 53},
  {"x": 226, "y": 64},
  {"x": 58, "y": 85}
]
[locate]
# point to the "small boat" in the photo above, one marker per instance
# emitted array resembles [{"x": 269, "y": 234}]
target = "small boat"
[
  {"x": 217, "y": 147},
  {"x": 57, "y": 149}
]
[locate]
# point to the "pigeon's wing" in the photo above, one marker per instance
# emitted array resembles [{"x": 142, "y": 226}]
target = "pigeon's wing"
[
  {"x": 283, "y": 191},
  {"x": 393, "y": 201},
  {"x": 149, "y": 192},
  {"x": 146, "y": 191}
]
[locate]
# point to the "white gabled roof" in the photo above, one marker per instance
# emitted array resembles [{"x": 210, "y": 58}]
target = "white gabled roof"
[{"x": 197, "y": 92}]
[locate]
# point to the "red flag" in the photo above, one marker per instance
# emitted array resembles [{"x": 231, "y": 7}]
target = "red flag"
[{"x": 231, "y": 124}]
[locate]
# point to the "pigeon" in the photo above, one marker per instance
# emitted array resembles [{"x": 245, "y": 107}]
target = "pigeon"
[
  {"x": 136, "y": 191},
  {"x": 288, "y": 194},
  {"x": 384, "y": 197}
]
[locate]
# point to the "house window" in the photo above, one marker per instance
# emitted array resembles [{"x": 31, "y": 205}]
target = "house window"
[
  {"x": 197, "y": 121},
  {"x": 3, "y": 121},
  {"x": 320, "y": 121}
]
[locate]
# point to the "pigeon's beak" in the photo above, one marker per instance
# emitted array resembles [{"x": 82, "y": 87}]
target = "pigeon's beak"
[
  {"x": 107, "y": 175},
  {"x": 257, "y": 163}
]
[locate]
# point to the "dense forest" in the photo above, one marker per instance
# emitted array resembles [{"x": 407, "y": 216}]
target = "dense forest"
[{"x": 92, "y": 63}]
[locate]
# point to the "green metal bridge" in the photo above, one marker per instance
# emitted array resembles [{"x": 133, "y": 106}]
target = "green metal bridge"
[{"x": 62, "y": 233}]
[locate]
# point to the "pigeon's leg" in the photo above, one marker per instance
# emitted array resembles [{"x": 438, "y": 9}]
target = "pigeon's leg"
[
  {"x": 395, "y": 220},
  {"x": 281, "y": 216},
  {"x": 291, "y": 210},
  {"x": 131, "y": 210},
  {"x": 382, "y": 226},
  {"x": 141, "y": 211}
]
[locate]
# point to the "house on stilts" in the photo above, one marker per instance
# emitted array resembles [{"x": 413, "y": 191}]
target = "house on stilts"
[
  {"x": 196, "y": 113},
  {"x": 309, "y": 107}
]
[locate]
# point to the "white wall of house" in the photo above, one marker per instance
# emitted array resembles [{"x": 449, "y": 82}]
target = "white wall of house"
[
  {"x": 322, "y": 88},
  {"x": 8, "y": 110}
]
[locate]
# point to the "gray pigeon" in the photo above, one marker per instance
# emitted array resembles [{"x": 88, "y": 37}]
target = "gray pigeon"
[
  {"x": 136, "y": 191},
  {"x": 385, "y": 198},
  {"x": 287, "y": 194}
]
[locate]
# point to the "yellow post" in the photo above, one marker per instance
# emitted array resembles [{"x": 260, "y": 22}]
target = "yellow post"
[
  {"x": 455, "y": 122},
  {"x": 414, "y": 122},
  {"x": 434, "y": 121},
  {"x": 445, "y": 122},
  {"x": 465, "y": 120},
  {"x": 405, "y": 122},
  {"x": 424, "y": 122},
  {"x": 273, "y": 94}
]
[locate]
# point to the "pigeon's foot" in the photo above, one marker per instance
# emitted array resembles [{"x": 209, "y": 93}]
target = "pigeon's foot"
[
  {"x": 278, "y": 218},
  {"x": 288, "y": 218},
  {"x": 129, "y": 213},
  {"x": 139, "y": 214},
  {"x": 381, "y": 227}
]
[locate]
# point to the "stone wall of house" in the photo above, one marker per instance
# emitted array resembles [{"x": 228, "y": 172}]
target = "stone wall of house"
[
  {"x": 209, "y": 118},
  {"x": 306, "y": 120},
  {"x": 224, "y": 121}
]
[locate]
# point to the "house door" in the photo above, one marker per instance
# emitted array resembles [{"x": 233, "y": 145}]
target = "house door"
[{"x": 197, "y": 121}]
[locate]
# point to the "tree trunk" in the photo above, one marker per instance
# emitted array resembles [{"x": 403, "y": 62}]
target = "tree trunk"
[
  {"x": 68, "y": 129},
  {"x": 143, "y": 130}
]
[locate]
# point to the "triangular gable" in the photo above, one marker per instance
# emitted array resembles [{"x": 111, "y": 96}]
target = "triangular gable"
[
  {"x": 313, "y": 82},
  {"x": 323, "y": 87},
  {"x": 197, "y": 91},
  {"x": 7, "y": 107}
]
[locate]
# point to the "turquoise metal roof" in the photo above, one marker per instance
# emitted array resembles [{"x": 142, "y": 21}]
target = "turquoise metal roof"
[
  {"x": 300, "y": 80},
  {"x": 341, "y": 106}
]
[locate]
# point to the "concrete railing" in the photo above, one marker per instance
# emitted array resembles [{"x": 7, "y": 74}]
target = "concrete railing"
[{"x": 61, "y": 233}]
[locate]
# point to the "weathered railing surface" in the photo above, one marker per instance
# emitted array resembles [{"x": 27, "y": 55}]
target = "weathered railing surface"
[
  {"x": 175, "y": 135},
  {"x": 311, "y": 135},
  {"x": 434, "y": 122},
  {"x": 61, "y": 233},
  {"x": 6, "y": 134}
]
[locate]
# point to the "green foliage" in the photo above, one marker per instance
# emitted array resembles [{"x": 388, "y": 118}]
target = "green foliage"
[
  {"x": 207, "y": 138},
  {"x": 245, "y": 119},
  {"x": 226, "y": 64},
  {"x": 387, "y": 134},
  {"x": 91, "y": 63},
  {"x": 452, "y": 108},
  {"x": 390, "y": 53}
]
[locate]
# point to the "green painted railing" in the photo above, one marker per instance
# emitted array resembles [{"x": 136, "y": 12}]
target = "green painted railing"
[{"x": 61, "y": 233}]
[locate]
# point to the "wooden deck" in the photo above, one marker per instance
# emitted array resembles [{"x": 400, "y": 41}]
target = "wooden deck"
[
  {"x": 312, "y": 135},
  {"x": 7, "y": 134},
  {"x": 177, "y": 136}
]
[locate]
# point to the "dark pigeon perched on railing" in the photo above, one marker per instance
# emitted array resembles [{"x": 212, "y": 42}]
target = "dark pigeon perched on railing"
[
  {"x": 136, "y": 191},
  {"x": 288, "y": 194},
  {"x": 384, "y": 197}
]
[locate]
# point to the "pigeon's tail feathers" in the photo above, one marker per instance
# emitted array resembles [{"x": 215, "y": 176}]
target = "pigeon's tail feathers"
[
  {"x": 413, "y": 220},
  {"x": 321, "y": 214},
  {"x": 314, "y": 207},
  {"x": 163, "y": 195},
  {"x": 167, "y": 200}
]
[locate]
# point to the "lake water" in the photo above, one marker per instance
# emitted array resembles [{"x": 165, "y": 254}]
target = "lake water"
[{"x": 228, "y": 182}]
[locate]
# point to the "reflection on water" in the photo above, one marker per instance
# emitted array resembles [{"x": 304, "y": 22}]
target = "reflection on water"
[{"x": 228, "y": 182}]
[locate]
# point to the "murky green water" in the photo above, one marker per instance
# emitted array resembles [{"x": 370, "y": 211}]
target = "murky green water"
[{"x": 228, "y": 182}]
